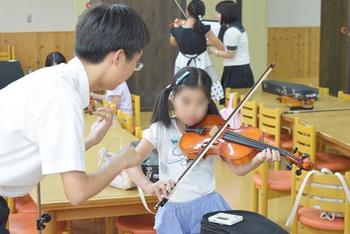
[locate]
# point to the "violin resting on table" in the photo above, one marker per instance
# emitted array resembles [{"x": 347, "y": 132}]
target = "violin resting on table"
[{"x": 296, "y": 96}]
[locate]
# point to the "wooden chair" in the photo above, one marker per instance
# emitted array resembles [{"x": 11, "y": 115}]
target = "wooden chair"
[
  {"x": 136, "y": 224},
  {"x": 110, "y": 105},
  {"x": 308, "y": 218},
  {"x": 136, "y": 109},
  {"x": 21, "y": 205},
  {"x": 249, "y": 114},
  {"x": 126, "y": 121},
  {"x": 13, "y": 53},
  {"x": 305, "y": 139},
  {"x": 228, "y": 92},
  {"x": 23, "y": 215},
  {"x": 270, "y": 125},
  {"x": 23, "y": 223},
  {"x": 322, "y": 91},
  {"x": 268, "y": 184},
  {"x": 6, "y": 55},
  {"x": 138, "y": 132},
  {"x": 343, "y": 96}
]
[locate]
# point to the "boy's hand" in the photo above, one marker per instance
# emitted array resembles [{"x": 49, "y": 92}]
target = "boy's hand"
[
  {"x": 160, "y": 189},
  {"x": 268, "y": 155},
  {"x": 101, "y": 126}
]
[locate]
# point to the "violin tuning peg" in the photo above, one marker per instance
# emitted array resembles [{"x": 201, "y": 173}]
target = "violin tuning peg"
[
  {"x": 289, "y": 167},
  {"x": 294, "y": 150},
  {"x": 298, "y": 172},
  {"x": 304, "y": 156}
]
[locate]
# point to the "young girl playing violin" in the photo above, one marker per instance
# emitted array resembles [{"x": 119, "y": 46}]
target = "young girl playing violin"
[{"x": 190, "y": 96}]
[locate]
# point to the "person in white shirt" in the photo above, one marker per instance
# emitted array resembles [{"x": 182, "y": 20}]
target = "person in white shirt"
[
  {"x": 41, "y": 123},
  {"x": 120, "y": 96},
  {"x": 237, "y": 72}
]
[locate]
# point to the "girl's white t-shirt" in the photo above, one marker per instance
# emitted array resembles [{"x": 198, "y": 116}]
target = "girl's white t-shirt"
[
  {"x": 123, "y": 92},
  {"x": 172, "y": 163}
]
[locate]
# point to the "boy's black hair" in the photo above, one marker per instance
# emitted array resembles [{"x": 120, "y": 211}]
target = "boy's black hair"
[
  {"x": 197, "y": 78},
  {"x": 229, "y": 12},
  {"x": 54, "y": 58},
  {"x": 196, "y": 9},
  {"x": 107, "y": 28}
]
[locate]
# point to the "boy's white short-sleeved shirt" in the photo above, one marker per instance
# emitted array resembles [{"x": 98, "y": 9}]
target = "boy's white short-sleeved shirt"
[{"x": 42, "y": 126}]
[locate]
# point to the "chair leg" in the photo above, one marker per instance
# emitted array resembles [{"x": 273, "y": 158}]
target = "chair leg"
[
  {"x": 69, "y": 228},
  {"x": 263, "y": 202},
  {"x": 294, "y": 229},
  {"x": 277, "y": 166},
  {"x": 255, "y": 197},
  {"x": 11, "y": 202},
  {"x": 322, "y": 147},
  {"x": 109, "y": 225},
  {"x": 263, "y": 191}
]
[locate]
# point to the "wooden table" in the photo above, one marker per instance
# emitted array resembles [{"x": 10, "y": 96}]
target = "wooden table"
[
  {"x": 110, "y": 202},
  {"x": 333, "y": 127},
  {"x": 270, "y": 100}
]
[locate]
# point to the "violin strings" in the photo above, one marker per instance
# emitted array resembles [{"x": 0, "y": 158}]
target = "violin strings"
[
  {"x": 260, "y": 145},
  {"x": 240, "y": 139},
  {"x": 256, "y": 144}
]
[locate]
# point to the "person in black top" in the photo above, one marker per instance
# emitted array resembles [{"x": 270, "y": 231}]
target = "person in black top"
[{"x": 191, "y": 36}]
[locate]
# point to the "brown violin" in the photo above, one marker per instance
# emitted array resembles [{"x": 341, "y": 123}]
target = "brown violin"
[
  {"x": 235, "y": 145},
  {"x": 295, "y": 103}
]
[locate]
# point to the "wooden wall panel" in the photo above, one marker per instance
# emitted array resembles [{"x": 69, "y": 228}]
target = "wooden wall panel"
[
  {"x": 296, "y": 52},
  {"x": 33, "y": 47}
]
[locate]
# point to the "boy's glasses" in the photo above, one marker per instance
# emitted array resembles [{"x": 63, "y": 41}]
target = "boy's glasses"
[{"x": 139, "y": 66}]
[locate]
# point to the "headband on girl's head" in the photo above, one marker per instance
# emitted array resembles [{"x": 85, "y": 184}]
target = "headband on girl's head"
[
  {"x": 182, "y": 77},
  {"x": 179, "y": 80}
]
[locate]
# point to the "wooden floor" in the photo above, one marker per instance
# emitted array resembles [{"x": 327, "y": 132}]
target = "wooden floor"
[{"x": 235, "y": 189}]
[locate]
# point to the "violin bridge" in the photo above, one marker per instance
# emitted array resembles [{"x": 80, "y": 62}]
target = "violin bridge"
[{"x": 213, "y": 130}]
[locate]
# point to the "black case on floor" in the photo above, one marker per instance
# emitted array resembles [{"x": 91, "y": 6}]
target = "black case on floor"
[
  {"x": 298, "y": 91},
  {"x": 150, "y": 166},
  {"x": 252, "y": 223}
]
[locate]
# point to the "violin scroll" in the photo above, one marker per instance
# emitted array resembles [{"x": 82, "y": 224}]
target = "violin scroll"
[{"x": 303, "y": 163}]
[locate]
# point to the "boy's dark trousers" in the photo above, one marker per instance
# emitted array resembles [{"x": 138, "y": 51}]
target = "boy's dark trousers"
[{"x": 4, "y": 214}]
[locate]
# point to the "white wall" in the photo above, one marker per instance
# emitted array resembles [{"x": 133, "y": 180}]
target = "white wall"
[
  {"x": 254, "y": 19},
  {"x": 293, "y": 13},
  {"x": 47, "y": 15}
]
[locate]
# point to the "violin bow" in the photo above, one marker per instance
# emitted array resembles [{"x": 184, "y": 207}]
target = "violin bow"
[
  {"x": 179, "y": 6},
  {"x": 213, "y": 139}
]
